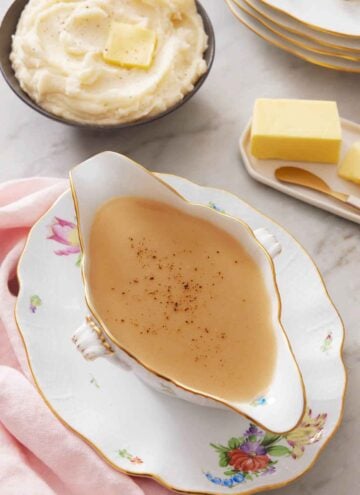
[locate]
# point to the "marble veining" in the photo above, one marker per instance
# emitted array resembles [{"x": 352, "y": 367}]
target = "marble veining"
[{"x": 200, "y": 142}]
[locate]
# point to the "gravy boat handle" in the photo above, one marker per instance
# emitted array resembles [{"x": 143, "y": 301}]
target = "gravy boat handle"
[
  {"x": 268, "y": 241},
  {"x": 90, "y": 338}
]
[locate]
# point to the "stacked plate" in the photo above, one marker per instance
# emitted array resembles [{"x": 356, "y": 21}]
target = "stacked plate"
[{"x": 325, "y": 33}]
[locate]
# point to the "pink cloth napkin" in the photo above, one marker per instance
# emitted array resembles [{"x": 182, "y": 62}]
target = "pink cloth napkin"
[{"x": 38, "y": 455}]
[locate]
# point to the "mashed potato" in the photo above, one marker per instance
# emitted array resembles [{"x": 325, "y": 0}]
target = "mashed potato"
[{"x": 57, "y": 56}]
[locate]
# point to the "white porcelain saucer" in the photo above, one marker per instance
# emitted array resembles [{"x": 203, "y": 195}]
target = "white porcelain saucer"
[{"x": 186, "y": 447}]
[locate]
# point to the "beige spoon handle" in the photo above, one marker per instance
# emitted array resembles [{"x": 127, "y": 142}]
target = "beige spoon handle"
[{"x": 353, "y": 201}]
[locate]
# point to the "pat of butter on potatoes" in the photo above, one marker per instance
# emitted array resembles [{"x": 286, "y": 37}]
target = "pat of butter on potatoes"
[
  {"x": 130, "y": 46},
  {"x": 296, "y": 130},
  {"x": 349, "y": 167}
]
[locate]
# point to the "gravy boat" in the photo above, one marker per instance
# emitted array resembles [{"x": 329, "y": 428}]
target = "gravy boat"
[{"x": 110, "y": 175}]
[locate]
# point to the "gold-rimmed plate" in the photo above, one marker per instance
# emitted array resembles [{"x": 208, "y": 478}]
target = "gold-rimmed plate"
[
  {"x": 289, "y": 43},
  {"x": 138, "y": 431},
  {"x": 337, "y": 17},
  {"x": 291, "y": 25},
  {"x": 294, "y": 38}
]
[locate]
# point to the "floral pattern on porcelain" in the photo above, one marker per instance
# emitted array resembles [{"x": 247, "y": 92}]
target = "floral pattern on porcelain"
[
  {"x": 66, "y": 233},
  {"x": 35, "y": 303},
  {"x": 327, "y": 343},
  {"x": 125, "y": 454},
  {"x": 94, "y": 382},
  {"x": 257, "y": 452},
  {"x": 215, "y": 207},
  {"x": 309, "y": 431},
  {"x": 259, "y": 401}
]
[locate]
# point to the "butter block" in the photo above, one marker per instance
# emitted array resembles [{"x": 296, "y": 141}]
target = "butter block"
[
  {"x": 349, "y": 167},
  {"x": 130, "y": 46},
  {"x": 296, "y": 130}
]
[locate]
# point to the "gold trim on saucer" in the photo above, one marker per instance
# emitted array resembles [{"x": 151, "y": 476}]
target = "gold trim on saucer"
[
  {"x": 309, "y": 24},
  {"x": 113, "y": 339},
  {"x": 320, "y": 41},
  {"x": 286, "y": 49},
  {"x": 152, "y": 475},
  {"x": 293, "y": 41}
]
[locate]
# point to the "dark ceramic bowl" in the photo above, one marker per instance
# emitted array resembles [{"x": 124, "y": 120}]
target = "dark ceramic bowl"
[{"x": 8, "y": 28}]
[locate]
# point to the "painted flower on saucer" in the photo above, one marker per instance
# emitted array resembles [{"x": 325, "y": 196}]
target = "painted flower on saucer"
[
  {"x": 65, "y": 232},
  {"x": 125, "y": 454},
  {"x": 35, "y": 303},
  {"x": 257, "y": 452},
  {"x": 308, "y": 432},
  {"x": 327, "y": 343}
]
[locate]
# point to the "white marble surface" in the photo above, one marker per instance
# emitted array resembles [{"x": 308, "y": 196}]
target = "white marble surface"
[{"x": 200, "y": 142}]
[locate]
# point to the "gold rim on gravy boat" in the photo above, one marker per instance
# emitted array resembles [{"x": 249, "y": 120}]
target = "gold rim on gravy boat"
[{"x": 166, "y": 378}]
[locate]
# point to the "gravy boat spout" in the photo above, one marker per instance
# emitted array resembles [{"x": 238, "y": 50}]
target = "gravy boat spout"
[{"x": 109, "y": 175}]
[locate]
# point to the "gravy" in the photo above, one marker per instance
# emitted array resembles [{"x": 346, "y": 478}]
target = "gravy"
[{"x": 183, "y": 297}]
